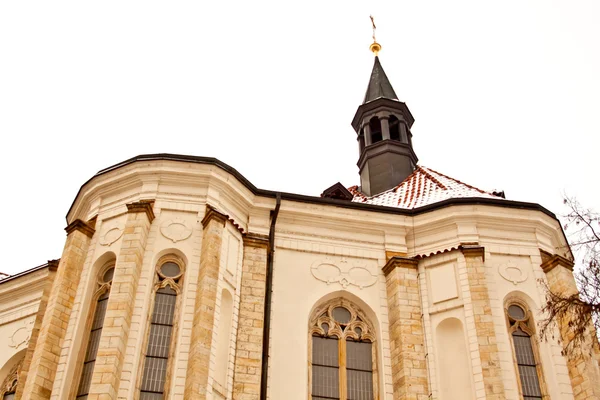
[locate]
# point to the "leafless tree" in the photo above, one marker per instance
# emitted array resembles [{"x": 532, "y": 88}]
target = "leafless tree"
[{"x": 582, "y": 309}]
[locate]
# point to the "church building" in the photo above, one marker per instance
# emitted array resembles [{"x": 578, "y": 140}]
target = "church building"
[{"x": 179, "y": 279}]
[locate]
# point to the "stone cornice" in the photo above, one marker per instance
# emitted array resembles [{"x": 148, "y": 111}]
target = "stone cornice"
[
  {"x": 473, "y": 250},
  {"x": 79, "y": 225},
  {"x": 211, "y": 214},
  {"x": 555, "y": 261},
  {"x": 144, "y": 206},
  {"x": 399, "y": 262},
  {"x": 256, "y": 240}
]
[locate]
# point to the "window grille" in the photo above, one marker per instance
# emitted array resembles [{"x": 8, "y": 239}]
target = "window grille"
[
  {"x": 92, "y": 348},
  {"x": 342, "y": 361},
  {"x": 159, "y": 343},
  {"x": 527, "y": 364}
]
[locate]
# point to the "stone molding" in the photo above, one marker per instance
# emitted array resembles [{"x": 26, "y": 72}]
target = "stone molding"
[
  {"x": 79, "y": 225},
  {"x": 400, "y": 262},
  {"x": 555, "y": 261},
  {"x": 211, "y": 214},
  {"x": 142, "y": 206},
  {"x": 255, "y": 240},
  {"x": 473, "y": 250}
]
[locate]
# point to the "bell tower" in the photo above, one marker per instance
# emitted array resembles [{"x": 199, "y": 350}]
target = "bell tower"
[{"x": 383, "y": 123}]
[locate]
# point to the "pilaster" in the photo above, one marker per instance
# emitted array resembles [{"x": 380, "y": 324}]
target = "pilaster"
[
  {"x": 117, "y": 320},
  {"x": 582, "y": 366},
  {"x": 35, "y": 331},
  {"x": 407, "y": 341},
  {"x": 248, "y": 356},
  {"x": 55, "y": 317},
  {"x": 484, "y": 323},
  {"x": 196, "y": 383}
]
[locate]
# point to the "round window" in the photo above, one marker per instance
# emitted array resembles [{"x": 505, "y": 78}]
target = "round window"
[
  {"x": 170, "y": 270},
  {"x": 341, "y": 315},
  {"x": 108, "y": 275},
  {"x": 516, "y": 312}
]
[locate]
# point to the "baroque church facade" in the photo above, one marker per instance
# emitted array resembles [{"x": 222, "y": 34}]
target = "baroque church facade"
[{"x": 180, "y": 279}]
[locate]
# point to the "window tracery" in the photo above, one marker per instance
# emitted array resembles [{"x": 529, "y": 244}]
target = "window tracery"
[
  {"x": 342, "y": 353},
  {"x": 9, "y": 386}
]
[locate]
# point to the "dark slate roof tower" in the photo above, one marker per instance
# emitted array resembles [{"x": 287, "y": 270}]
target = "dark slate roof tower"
[{"x": 382, "y": 122}]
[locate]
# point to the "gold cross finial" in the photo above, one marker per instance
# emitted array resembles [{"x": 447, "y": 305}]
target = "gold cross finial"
[{"x": 375, "y": 47}]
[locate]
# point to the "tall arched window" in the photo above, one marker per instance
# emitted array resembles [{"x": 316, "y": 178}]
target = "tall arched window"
[
  {"x": 161, "y": 331},
  {"x": 394, "y": 128},
  {"x": 342, "y": 353},
  {"x": 375, "y": 129},
  {"x": 104, "y": 282},
  {"x": 525, "y": 351}
]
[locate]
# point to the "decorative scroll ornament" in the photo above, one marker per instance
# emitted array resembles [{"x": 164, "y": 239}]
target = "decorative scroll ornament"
[
  {"x": 21, "y": 335},
  {"x": 111, "y": 235},
  {"x": 512, "y": 272},
  {"x": 343, "y": 272},
  {"x": 175, "y": 230}
]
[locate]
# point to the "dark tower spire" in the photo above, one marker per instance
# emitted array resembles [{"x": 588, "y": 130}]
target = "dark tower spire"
[{"x": 382, "y": 122}]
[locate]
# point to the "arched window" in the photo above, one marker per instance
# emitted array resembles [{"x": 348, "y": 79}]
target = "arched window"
[
  {"x": 10, "y": 390},
  {"x": 9, "y": 386},
  {"x": 394, "y": 128},
  {"x": 105, "y": 278},
  {"x": 169, "y": 270},
  {"x": 525, "y": 351},
  {"x": 342, "y": 353},
  {"x": 375, "y": 129}
]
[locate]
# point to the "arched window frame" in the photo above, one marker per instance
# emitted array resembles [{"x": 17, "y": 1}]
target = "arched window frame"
[
  {"x": 175, "y": 283},
  {"x": 324, "y": 315},
  {"x": 527, "y": 325},
  {"x": 375, "y": 129},
  {"x": 9, "y": 386},
  {"x": 102, "y": 288}
]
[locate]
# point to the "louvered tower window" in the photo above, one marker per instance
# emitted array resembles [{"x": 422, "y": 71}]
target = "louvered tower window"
[
  {"x": 94, "y": 338},
  {"x": 342, "y": 357},
  {"x": 528, "y": 367},
  {"x": 160, "y": 336}
]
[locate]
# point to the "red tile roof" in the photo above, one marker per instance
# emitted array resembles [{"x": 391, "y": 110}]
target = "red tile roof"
[{"x": 423, "y": 187}]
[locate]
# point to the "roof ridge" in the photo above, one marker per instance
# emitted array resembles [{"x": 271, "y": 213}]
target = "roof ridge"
[
  {"x": 433, "y": 178},
  {"x": 457, "y": 181}
]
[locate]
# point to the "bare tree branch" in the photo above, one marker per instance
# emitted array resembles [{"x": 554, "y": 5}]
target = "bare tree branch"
[{"x": 579, "y": 312}]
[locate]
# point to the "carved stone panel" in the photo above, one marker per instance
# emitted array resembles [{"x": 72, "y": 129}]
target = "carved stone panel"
[
  {"x": 176, "y": 229},
  {"x": 344, "y": 272},
  {"x": 111, "y": 234},
  {"x": 512, "y": 272}
]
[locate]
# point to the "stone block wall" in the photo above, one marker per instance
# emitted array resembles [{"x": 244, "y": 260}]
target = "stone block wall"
[
  {"x": 583, "y": 366},
  {"x": 248, "y": 360},
  {"x": 407, "y": 336},
  {"x": 44, "y": 360}
]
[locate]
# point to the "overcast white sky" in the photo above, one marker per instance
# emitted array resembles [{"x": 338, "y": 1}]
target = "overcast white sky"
[{"x": 505, "y": 95}]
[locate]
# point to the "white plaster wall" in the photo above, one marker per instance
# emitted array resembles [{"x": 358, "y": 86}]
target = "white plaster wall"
[{"x": 295, "y": 293}]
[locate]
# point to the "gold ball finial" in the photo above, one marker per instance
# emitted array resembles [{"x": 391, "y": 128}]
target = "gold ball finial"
[{"x": 375, "y": 48}]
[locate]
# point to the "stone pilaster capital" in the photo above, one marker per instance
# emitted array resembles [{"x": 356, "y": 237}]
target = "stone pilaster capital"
[
  {"x": 256, "y": 240},
  {"x": 211, "y": 214},
  {"x": 472, "y": 250},
  {"x": 79, "y": 225},
  {"x": 399, "y": 262},
  {"x": 555, "y": 261},
  {"x": 53, "y": 264},
  {"x": 142, "y": 206}
]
